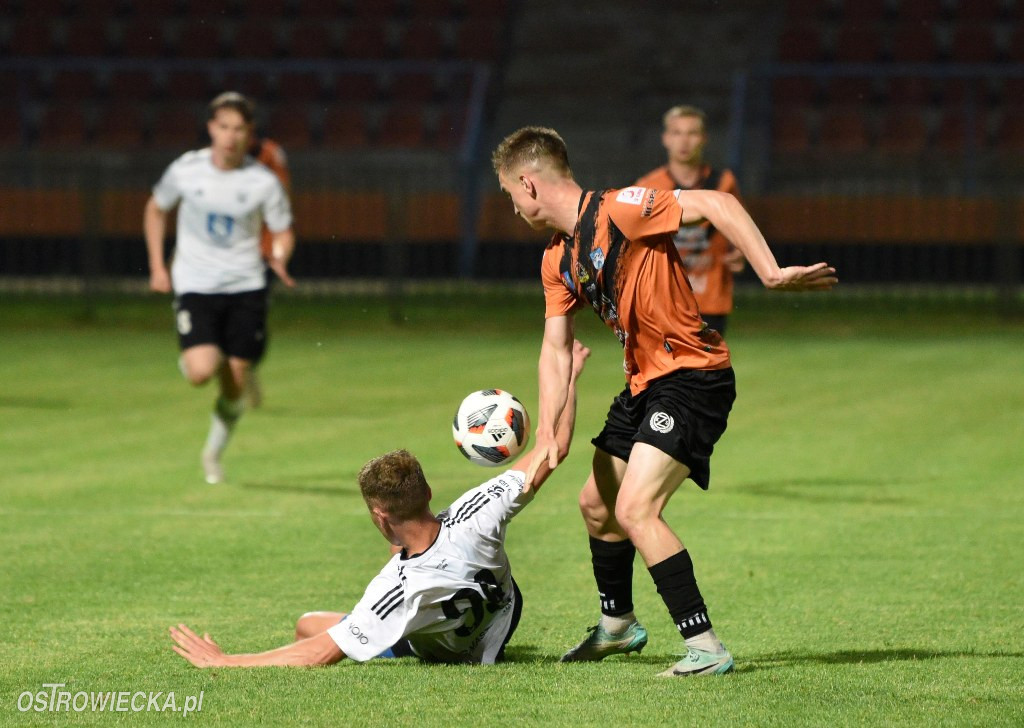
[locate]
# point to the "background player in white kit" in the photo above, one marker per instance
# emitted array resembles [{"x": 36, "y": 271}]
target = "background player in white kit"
[
  {"x": 448, "y": 596},
  {"x": 218, "y": 275}
]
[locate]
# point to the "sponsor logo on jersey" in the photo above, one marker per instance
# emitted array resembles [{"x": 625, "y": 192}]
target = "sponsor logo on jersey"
[
  {"x": 631, "y": 195},
  {"x": 648, "y": 208}
]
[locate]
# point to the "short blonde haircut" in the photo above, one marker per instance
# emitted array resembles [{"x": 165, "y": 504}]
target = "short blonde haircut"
[
  {"x": 683, "y": 111},
  {"x": 530, "y": 145},
  {"x": 395, "y": 483}
]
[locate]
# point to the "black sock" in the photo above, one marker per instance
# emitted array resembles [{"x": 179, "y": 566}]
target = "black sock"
[
  {"x": 613, "y": 571},
  {"x": 678, "y": 588}
]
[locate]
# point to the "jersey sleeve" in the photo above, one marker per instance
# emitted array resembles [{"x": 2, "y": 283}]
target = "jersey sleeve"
[
  {"x": 277, "y": 209},
  {"x": 491, "y": 504},
  {"x": 378, "y": 621},
  {"x": 558, "y": 299},
  {"x": 167, "y": 191},
  {"x": 641, "y": 212}
]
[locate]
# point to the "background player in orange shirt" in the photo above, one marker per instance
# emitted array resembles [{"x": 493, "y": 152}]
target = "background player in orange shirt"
[
  {"x": 271, "y": 155},
  {"x": 613, "y": 251},
  {"x": 709, "y": 258}
]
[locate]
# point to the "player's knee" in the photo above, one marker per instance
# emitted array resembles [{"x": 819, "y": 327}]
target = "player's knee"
[
  {"x": 198, "y": 375},
  {"x": 632, "y": 514},
  {"x": 594, "y": 511},
  {"x": 305, "y": 624}
]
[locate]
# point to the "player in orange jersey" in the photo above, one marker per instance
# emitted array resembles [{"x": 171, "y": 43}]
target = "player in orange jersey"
[
  {"x": 709, "y": 258},
  {"x": 271, "y": 155},
  {"x": 613, "y": 251}
]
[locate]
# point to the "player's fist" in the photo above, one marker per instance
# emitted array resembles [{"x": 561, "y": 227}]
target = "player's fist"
[{"x": 160, "y": 281}]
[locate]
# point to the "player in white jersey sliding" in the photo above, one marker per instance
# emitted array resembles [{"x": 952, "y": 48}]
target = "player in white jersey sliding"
[
  {"x": 447, "y": 596},
  {"x": 218, "y": 275}
]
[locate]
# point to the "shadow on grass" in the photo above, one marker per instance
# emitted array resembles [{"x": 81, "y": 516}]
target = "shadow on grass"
[
  {"x": 824, "y": 490},
  {"x": 301, "y": 488},
  {"x": 41, "y": 403},
  {"x": 857, "y": 657}
]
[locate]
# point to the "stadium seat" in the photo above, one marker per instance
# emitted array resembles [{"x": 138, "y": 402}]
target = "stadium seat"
[
  {"x": 496, "y": 10},
  {"x": 345, "y": 126},
  {"x": 354, "y": 87},
  {"x": 31, "y": 36},
  {"x": 178, "y": 127},
  {"x": 72, "y": 85},
  {"x": 973, "y": 43},
  {"x": 310, "y": 39},
  {"x": 255, "y": 85},
  {"x": 791, "y": 132},
  {"x": 850, "y": 90},
  {"x": 800, "y": 43},
  {"x": 1009, "y": 132},
  {"x": 478, "y": 39},
  {"x": 979, "y": 10},
  {"x": 413, "y": 87},
  {"x": 434, "y": 9},
  {"x": 864, "y": 12},
  {"x": 10, "y": 131},
  {"x": 956, "y": 133},
  {"x": 402, "y": 126},
  {"x": 144, "y": 37},
  {"x": 63, "y": 125},
  {"x": 200, "y": 38},
  {"x": 299, "y": 86},
  {"x": 320, "y": 8},
  {"x": 87, "y": 36},
  {"x": 290, "y": 127},
  {"x": 913, "y": 43},
  {"x": 268, "y": 10},
  {"x": 451, "y": 128},
  {"x": 162, "y": 8},
  {"x": 120, "y": 126},
  {"x": 256, "y": 38},
  {"x": 795, "y": 90},
  {"x": 844, "y": 130},
  {"x": 377, "y": 10},
  {"x": 1015, "y": 44},
  {"x": 366, "y": 39},
  {"x": 188, "y": 86},
  {"x": 857, "y": 44},
  {"x": 921, "y": 11},
  {"x": 50, "y": 9},
  {"x": 903, "y": 131},
  {"x": 909, "y": 90},
  {"x": 422, "y": 40}
]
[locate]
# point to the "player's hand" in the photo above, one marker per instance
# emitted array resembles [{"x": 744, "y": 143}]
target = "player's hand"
[
  {"x": 580, "y": 352},
  {"x": 280, "y": 267},
  {"x": 160, "y": 281},
  {"x": 817, "y": 277},
  {"x": 200, "y": 651}
]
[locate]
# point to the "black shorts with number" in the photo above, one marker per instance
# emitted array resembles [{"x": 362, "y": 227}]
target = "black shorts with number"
[
  {"x": 235, "y": 322},
  {"x": 682, "y": 414}
]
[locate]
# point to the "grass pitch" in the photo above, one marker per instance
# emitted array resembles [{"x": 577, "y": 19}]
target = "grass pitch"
[{"x": 860, "y": 547}]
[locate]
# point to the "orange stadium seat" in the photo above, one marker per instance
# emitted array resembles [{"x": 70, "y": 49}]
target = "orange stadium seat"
[
  {"x": 299, "y": 86},
  {"x": 794, "y": 90},
  {"x": 973, "y": 43},
  {"x": 805, "y": 10},
  {"x": 402, "y": 126},
  {"x": 120, "y": 126},
  {"x": 376, "y": 10},
  {"x": 87, "y": 36},
  {"x": 256, "y": 38},
  {"x": 310, "y": 39},
  {"x": 451, "y": 128},
  {"x": 366, "y": 39},
  {"x": 266, "y": 9},
  {"x": 320, "y": 8},
  {"x": 10, "y": 131},
  {"x": 921, "y": 10},
  {"x": 904, "y": 131},
  {"x": 200, "y": 38},
  {"x": 850, "y": 90},
  {"x": 791, "y": 132},
  {"x": 71, "y": 85},
  {"x": 422, "y": 39},
  {"x": 844, "y": 129},
  {"x": 862, "y": 12},
  {"x": 434, "y": 9},
  {"x": 134, "y": 85},
  {"x": 909, "y": 90},
  {"x": 956, "y": 134},
  {"x": 345, "y": 126},
  {"x": 478, "y": 39},
  {"x": 177, "y": 126},
  {"x": 357, "y": 87},
  {"x": 857, "y": 44},
  {"x": 913, "y": 43},
  {"x": 800, "y": 43},
  {"x": 979, "y": 10},
  {"x": 1009, "y": 133},
  {"x": 144, "y": 37},
  {"x": 254, "y": 85},
  {"x": 487, "y": 9},
  {"x": 32, "y": 36},
  {"x": 290, "y": 127},
  {"x": 188, "y": 86},
  {"x": 50, "y": 9},
  {"x": 63, "y": 125},
  {"x": 413, "y": 87}
]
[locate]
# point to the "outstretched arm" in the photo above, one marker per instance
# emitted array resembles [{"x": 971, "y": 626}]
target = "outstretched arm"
[
  {"x": 554, "y": 371},
  {"x": 728, "y": 216},
  {"x": 538, "y": 466},
  {"x": 204, "y": 652}
]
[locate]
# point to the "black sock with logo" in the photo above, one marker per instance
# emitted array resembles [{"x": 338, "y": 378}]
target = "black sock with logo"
[
  {"x": 613, "y": 571},
  {"x": 678, "y": 589}
]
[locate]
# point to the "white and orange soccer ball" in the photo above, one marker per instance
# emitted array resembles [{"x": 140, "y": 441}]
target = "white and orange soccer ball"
[{"x": 491, "y": 427}]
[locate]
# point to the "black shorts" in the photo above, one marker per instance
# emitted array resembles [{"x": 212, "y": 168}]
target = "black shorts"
[
  {"x": 235, "y": 322},
  {"x": 682, "y": 414}
]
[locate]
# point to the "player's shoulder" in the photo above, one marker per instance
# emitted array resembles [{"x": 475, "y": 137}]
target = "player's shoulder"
[{"x": 193, "y": 158}]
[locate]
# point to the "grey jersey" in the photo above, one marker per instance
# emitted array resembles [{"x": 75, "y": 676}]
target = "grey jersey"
[
  {"x": 219, "y": 219},
  {"x": 453, "y": 602}
]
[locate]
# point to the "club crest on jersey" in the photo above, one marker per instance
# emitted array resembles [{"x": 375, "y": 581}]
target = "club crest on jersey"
[
  {"x": 219, "y": 227},
  {"x": 597, "y": 258},
  {"x": 662, "y": 422},
  {"x": 631, "y": 195},
  {"x": 581, "y": 274}
]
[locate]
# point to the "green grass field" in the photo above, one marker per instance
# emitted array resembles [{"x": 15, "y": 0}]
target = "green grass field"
[{"x": 860, "y": 548}]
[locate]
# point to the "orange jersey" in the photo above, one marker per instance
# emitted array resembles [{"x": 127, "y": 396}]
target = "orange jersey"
[
  {"x": 702, "y": 248},
  {"x": 270, "y": 154},
  {"x": 622, "y": 261}
]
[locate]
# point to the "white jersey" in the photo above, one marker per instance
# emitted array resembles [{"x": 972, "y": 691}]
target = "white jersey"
[
  {"x": 454, "y": 602},
  {"x": 219, "y": 219}
]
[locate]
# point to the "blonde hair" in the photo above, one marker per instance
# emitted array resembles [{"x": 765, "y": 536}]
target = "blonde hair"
[
  {"x": 395, "y": 482},
  {"x": 529, "y": 145},
  {"x": 683, "y": 111}
]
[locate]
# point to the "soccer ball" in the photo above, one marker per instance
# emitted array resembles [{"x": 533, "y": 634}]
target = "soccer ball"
[{"x": 491, "y": 427}]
